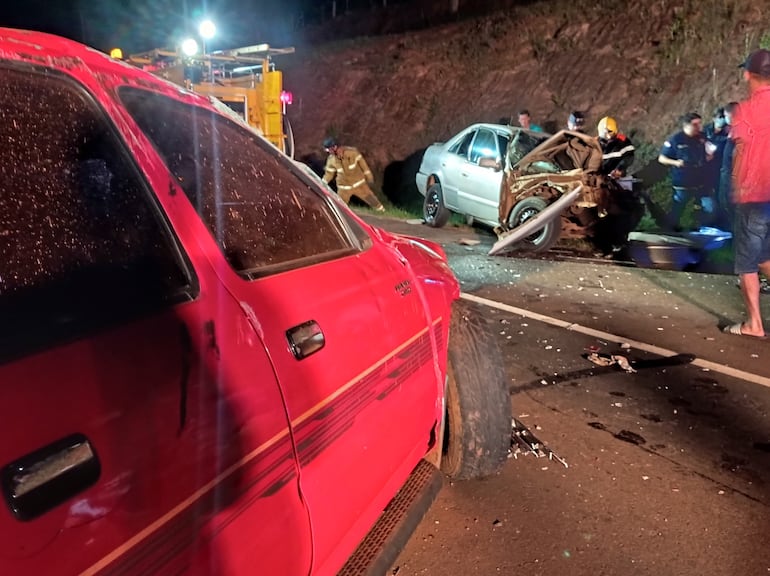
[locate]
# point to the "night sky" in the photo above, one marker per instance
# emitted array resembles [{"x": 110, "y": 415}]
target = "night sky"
[{"x": 138, "y": 25}]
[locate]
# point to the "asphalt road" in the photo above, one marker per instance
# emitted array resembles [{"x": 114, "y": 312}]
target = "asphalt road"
[{"x": 667, "y": 468}]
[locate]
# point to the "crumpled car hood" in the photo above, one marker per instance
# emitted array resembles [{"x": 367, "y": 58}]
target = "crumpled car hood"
[
  {"x": 564, "y": 161},
  {"x": 566, "y": 150}
]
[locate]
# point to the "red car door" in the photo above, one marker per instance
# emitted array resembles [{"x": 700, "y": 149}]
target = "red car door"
[
  {"x": 353, "y": 353},
  {"x": 347, "y": 335},
  {"x": 145, "y": 430}
]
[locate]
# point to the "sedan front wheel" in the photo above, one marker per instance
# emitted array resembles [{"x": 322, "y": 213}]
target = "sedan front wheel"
[{"x": 529, "y": 208}]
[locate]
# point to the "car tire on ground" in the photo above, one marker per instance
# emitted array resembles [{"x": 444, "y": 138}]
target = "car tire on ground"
[
  {"x": 477, "y": 431},
  {"x": 529, "y": 208},
  {"x": 434, "y": 211}
]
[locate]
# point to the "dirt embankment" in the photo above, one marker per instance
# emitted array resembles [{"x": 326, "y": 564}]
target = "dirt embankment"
[{"x": 643, "y": 62}]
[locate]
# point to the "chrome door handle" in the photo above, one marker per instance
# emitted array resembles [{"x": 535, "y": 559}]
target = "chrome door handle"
[
  {"x": 305, "y": 339},
  {"x": 40, "y": 481}
]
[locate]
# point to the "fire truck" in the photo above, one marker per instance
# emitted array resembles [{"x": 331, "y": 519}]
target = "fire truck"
[{"x": 245, "y": 79}]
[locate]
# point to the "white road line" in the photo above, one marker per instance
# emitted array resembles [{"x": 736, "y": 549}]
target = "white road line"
[{"x": 712, "y": 366}]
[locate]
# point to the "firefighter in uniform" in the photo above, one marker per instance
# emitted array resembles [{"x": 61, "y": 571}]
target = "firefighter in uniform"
[
  {"x": 348, "y": 166},
  {"x": 617, "y": 149},
  {"x": 611, "y": 233}
]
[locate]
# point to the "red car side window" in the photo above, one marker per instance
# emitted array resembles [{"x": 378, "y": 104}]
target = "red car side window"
[
  {"x": 82, "y": 243},
  {"x": 262, "y": 215}
]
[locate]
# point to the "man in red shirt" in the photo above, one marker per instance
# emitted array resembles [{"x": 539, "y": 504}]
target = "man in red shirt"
[{"x": 751, "y": 173}]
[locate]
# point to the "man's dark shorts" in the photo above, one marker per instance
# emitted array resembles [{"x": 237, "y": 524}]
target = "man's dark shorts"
[{"x": 751, "y": 239}]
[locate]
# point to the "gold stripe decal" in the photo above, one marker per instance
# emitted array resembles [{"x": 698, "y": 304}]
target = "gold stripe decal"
[
  {"x": 182, "y": 506},
  {"x": 329, "y": 399}
]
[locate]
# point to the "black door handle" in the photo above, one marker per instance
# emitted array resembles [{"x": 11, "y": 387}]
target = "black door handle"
[
  {"x": 40, "y": 481},
  {"x": 305, "y": 339}
]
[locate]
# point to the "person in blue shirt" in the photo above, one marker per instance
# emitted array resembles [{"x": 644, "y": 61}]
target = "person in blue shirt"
[
  {"x": 717, "y": 132},
  {"x": 525, "y": 121},
  {"x": 687, "y": 153},
  {"x": 725, "y": 207}
]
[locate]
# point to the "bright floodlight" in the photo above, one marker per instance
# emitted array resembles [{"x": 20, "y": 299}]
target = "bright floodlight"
[
  {"x": 207, "y": 29},
  {"x": 190, "y": 47}
]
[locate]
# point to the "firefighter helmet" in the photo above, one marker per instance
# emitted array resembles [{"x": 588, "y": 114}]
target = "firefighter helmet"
[{"x": 608, "y": 127}]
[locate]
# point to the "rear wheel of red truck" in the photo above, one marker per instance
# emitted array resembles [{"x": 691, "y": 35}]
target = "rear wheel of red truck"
[{"x": 477, "y": 431}]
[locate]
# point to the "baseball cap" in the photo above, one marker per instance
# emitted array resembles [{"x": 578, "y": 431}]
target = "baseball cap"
[{"x": 758, "y": 62}]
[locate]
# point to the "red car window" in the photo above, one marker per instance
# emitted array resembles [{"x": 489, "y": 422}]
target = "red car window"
[
  {"x": 82, "y": 243},
  {"x": 262, "y": 215}
]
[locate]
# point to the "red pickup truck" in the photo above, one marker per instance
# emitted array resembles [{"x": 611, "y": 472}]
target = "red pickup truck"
[{"x": 208, "y": 364}]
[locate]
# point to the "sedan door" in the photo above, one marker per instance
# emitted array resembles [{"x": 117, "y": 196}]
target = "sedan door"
[
  {"x": 479, "y": 188},
  {"x": 454, "y": 163}
]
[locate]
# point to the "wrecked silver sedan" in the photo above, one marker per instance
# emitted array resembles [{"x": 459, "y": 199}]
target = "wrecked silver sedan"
[
  {"x": 506, "y": 177},
  {"x": 464, "y": 174}
]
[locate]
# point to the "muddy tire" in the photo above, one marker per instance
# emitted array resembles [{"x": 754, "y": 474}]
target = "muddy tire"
[
  {"x": 529, "y": 208},
  {"x": 477, "y": 432},
  {"x": 434, "y": 211}
]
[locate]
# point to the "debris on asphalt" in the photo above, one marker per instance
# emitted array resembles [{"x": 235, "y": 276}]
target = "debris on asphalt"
[
  {"x": 497, "y": 523},
  {"x": 415, "y": 221},
  {"x": 622, "y": 361},
  {"x": 524, "y": 442},
  {"x": 609, "y": 360},
  {"x": 468, "y": 242}
]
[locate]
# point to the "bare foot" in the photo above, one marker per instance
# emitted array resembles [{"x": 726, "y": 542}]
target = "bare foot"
[{"x": 741, "y": 329}]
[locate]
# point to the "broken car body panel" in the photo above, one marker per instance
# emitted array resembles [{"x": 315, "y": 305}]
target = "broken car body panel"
[
  {"x": 551, "y": 213},
  {"x": 565, "y": 162}
]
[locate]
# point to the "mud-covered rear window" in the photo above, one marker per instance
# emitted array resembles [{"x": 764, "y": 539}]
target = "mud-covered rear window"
[
  {"x": 82, "y": 243},
  {"x": 262, "y": 215}
]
